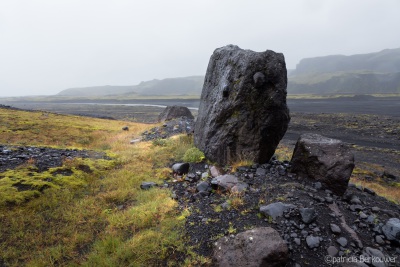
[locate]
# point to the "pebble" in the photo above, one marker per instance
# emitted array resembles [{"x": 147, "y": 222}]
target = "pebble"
[
  {"x": 308, "y": 215},
  {"x": 342, "y": 241},
  {"x": 335, "y": 228},
  {"x": 313, "y": 241},
  {"x": 332, "y": 251}
]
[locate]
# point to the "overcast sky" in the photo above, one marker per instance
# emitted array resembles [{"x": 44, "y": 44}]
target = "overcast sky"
[{"x": 50, "y": 45}]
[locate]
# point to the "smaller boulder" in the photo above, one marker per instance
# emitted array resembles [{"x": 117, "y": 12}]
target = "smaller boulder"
[
  {"x": 174, "y": 112},
  {"x": 125, "y": 128},
  {"x": 325, "y": 160},
  {"x": 257, "y": 247},
  {"x": 180, "y": 168}
]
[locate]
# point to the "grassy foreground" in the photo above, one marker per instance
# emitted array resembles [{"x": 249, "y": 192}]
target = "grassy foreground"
[{"x": 101, "y": 218}]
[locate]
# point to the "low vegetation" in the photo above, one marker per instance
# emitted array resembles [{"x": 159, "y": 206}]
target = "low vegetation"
[{"x": 101, "y": 218}]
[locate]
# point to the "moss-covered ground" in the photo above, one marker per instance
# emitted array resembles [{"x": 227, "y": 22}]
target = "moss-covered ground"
[{"x": 96, "y": 218}]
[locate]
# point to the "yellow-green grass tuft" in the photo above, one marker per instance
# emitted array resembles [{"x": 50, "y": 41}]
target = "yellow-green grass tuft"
[{"x": 96, "y": 218}]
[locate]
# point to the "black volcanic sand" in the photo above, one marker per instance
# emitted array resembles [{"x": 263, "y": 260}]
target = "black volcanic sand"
[{"x": 118, "y": 110}]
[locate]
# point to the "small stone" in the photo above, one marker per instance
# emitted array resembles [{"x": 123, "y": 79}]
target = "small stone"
[
  {"x": 202, "y": 186},
  {"x": 308, "y": 215},
  {"x": 375, "y": 209},
  {"x": 392, "y": 229},
  {"x": 261, "y": 172},
  {"x": 312, "y": 241},
  {"x": 332, "y": 251},
  {"x": 379, "y": 240},
  {"x": 318, "y": 185},
  {"x": 342, "y": 241},
  {"x": 255, "y": 247},
  {"x": 147, "y": 185},
  {"x": 355, "y": 200},
  {"x": 204, "y": 175},
  {"x": 225, "y": 182},
  {"x": 181, "y": 168},
  {"x": 304, "y": 233},
  {"x": 335, "y": 229},
  {"x": 371, "y": 219},
  {"x": 356, "y": 207},
  {"x": 369, "y": 191},
  {"x": 239, "y": 188},
  {"x": 134, "y": 141},
  {"x": 297, "y": 241},
  {"x": 275, "y": 209},
  {"x": 329, "y": 200},
  {"x": 215, "y": 172},
  {"x": 377, "y": 255},
  {"x": 363, "y": 216},
  {"x": 125, "y": 128},
  {"x": 316, "y": 230},
  {"x": 226, "y": 205}
]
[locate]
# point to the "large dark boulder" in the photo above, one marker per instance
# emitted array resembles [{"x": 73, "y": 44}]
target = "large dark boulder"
[
  {"x": 326, "y": 160},
  {"x": 174, "y": 112},
  {"x": 254, "y": 248},
  {"x": 243, "y": 112}
]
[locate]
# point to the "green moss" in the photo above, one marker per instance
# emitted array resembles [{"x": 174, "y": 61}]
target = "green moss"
[
  {"x": 193, "y": 155},
  {"x": 25, "y": 182}
]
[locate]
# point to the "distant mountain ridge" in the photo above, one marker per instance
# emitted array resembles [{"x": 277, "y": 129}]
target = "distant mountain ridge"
[
  {"x": 191, "y": 85},
  {"x": 105, "y": 90},
  {"x": 373, "y": 73},
  {"x": 357, "y": 74}
]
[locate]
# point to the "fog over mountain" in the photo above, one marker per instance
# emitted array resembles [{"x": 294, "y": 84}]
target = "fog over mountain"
[
  {"x": 372, "y": 73},
  {"x": 172, "y": 86},
  {"x": 48, "y": 46}
]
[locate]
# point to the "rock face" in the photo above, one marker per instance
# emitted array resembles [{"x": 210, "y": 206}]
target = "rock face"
[
  {"x": 243, "y": 112},
  {"x": 324, "y": 159},
  {"x": 173, "y": 112},
  {"x": 258, "y": 247}
]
